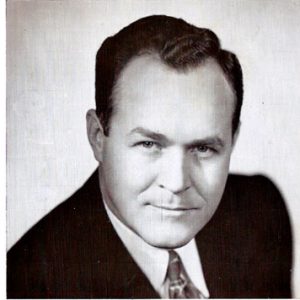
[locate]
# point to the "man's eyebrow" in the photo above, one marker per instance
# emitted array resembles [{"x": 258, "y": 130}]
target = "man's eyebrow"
[
  {"x": 209, "y": 141},
  {"x": 148, "y": 133}
]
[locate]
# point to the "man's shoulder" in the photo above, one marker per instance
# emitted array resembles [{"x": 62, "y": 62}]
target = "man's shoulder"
[
  {"x": 67, "y": 215},
  {"x": 253, "y": 197},
  {"x": 252, "y": 192},
  {"x": 248, "y": 241},
  {"x": 54, "y": 246},
  {"x": 255, "y": 205}
]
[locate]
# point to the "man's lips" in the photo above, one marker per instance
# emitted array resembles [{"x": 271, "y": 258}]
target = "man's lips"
[{"x": 174, "y": 208}]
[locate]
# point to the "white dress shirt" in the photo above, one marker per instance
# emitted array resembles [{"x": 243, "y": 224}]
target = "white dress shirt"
[{"x": 154, "y": 261}]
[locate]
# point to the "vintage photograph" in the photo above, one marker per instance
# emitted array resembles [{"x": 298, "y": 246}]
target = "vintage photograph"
[{"x": 153, "y": 149}]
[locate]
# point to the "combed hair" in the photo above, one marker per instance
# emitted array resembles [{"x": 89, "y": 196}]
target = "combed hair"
[{"x": 179, "y": 44}]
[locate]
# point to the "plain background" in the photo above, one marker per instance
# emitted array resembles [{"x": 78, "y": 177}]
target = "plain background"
[
  {"x": 2, "y": 152},
  {"x": 51, "y": 47}
]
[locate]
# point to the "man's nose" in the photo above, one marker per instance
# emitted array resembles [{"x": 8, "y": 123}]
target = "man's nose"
[{"x": 174, "y": 174}]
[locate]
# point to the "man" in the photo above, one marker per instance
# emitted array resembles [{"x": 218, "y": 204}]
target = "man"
[{"x": 160, "y": 217}]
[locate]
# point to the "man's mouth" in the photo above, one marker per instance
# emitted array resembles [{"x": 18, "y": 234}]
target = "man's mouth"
[{"x": 174, "y": 208}]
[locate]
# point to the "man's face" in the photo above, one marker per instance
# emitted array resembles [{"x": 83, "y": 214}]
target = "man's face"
[{"x": 166, "y": 159}]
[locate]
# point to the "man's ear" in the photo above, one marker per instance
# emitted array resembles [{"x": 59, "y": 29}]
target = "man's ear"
[
  {"x": 235, "y": 135},
  {"x": 95, "y": 134}
]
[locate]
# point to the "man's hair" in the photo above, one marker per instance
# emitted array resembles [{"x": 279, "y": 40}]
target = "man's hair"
[{"x": 179, "y": 45}]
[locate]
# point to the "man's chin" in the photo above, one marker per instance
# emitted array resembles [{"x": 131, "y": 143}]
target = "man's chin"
[
  {"x": 171, "y": 245},
  {"x": 168, "y": 241}
]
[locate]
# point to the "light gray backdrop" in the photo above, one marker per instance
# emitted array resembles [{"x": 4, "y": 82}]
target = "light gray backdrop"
[{"x": 51, "y": 47}]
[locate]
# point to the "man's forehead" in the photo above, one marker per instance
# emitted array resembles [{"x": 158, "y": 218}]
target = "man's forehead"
[
  {"x": 149, "y": 70},
  {"x": 146, "y": 79}
]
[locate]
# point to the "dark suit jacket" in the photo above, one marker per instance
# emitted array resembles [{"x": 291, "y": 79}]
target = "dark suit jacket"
[{"x": 74, "y": 251}]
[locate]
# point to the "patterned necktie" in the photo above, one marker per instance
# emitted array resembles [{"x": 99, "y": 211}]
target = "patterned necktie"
[{"x": 180, "y": 285}]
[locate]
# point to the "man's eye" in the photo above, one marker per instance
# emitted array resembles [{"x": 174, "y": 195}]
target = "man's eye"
[
  {"x": 147, "y": 144},
  {"x": 203, "y": 149},
  {"x": 151, "y": 145}
]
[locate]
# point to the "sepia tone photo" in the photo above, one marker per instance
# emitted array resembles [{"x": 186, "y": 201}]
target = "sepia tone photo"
[{"x": 152, "y": 149}]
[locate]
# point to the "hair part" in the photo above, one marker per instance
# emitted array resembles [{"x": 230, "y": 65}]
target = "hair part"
[{"x": 178, "y": 44}]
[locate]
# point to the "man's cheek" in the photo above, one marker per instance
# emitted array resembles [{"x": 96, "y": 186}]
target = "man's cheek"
[
  {"x": 139, "y": 172},
  {"x": 210, "y": 179}
]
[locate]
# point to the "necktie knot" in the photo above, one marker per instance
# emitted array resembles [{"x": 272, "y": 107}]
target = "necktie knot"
[{"x": 180, "y": 286}]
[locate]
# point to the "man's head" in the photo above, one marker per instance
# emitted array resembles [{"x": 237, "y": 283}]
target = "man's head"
[{"x": 168, "y": 102}]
